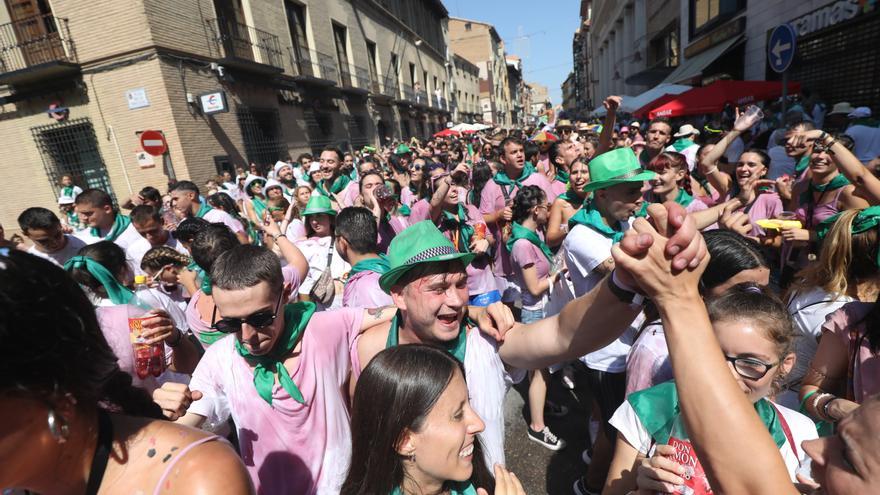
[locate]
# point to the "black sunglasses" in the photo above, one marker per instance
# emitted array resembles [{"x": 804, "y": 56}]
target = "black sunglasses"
[
  {"x": 260, "y": 319},
  {"x": 416, "y": 167}
]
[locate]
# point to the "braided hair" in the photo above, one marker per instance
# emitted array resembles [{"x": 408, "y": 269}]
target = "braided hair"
[
  {"x": 161, "y": 256},
  {"x": 63, "y": 349}
]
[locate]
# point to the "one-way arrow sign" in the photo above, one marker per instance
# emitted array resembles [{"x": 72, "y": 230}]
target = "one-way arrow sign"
[{"x": 781, "y": 48}]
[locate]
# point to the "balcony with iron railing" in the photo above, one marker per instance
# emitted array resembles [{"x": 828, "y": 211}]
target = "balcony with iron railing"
[
  {"x": 37, "y": 48},
  {"x": 240, "y": 46},
  {"x": 312, "y": 67},
  {"x": 409, "y": 94},
  {"x": 391, "y": 87}
]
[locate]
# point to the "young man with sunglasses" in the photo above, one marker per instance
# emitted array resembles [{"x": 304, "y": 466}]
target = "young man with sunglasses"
[{"x": 50, "y": 242}]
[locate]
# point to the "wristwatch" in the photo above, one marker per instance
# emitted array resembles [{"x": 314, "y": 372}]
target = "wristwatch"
[
  {"x": 633, "y": 299},
  {"x": 276, "y": 236}
]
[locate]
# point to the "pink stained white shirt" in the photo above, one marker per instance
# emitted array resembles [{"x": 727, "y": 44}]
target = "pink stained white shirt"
[
  {"x": 525, "y": 254},
  {"x": 288, "y": 447},
  {"x": 220, "y": 216},
  {"x": 362, "y": 291},
  {"x": 492, "y": 199},
  {"x": 350, "y": 193},
  {"x": 390, "y": 228},
  {"x": 480, "y": 277},
  {"x": 847, "y": 327}
]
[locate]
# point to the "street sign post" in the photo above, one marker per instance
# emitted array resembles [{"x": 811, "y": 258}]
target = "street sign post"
[
  {"x": 153, "y": 142},
  {"x": 780, "y": 53}
]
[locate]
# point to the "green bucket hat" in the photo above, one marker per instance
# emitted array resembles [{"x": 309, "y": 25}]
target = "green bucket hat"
[
  {"x": 319, "y": 204},
  {"x": 616, "y": 167},
  {"x": 402, "y": 149},
  {"x": 419, "y": 243}
]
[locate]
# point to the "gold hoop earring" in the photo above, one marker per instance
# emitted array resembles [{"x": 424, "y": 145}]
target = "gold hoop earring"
[{"x": 58, "y": 427}]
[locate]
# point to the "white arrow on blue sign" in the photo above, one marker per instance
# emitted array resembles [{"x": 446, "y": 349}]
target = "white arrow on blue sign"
[{"x": 782, "y": 46}]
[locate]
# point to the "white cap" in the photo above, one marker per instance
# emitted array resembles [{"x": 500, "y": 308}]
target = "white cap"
[
  {"x": 251, "y": 179},
  {"x": 279, "y": 165},
  {"x": 272, "y": 183},
  {"x": 65, "y": 200},
  {"x": 686, "y": 130},
  {"x": 314, "y": 167}
]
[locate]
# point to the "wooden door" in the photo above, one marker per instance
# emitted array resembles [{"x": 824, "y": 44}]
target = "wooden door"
[{"x": 35, "y": 29}]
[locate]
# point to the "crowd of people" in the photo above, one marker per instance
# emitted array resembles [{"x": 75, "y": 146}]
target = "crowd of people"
[{"x": 351, "y": 322}]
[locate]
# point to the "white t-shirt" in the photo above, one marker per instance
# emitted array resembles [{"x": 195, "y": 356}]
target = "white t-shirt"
[
  {"x": 220, "y": 216},
  {"x": 128, "y": 237},
  {"x": 138, "y": 249},
  {"x": 315, "y": 250},
  {"x": 586, "y": 249},
  {"x": 690, "y": 154},
  {"x": 802, "y": 428},
  {"x": 74, "y": 244},
  {"x": 808, "y": 310}
]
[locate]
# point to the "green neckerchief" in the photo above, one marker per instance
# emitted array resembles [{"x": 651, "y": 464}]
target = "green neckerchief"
[
  {"x": 339, "y": 184},
  {"x": 73, "y": 219},
  {"x": 562, "y": 176},
  {"x": 837, "y": 182},
  {"x": 404, "y": 210},
  {"x": 455, "y": 487},
  {"x": 118, "y": 293},
  {"x": 271, "y": 366},
  {"x": 519, "y": 232},
  {"x": 203, "y": 210},
  {"x": 457, "y": 347},
  {"x": 210, "y": 336},
  {"x": 502, "y": 179},
  {"x": 259, "y": 206},
  {"x": 67, "y": 191},
  {"x": 683, "y": 198},
  {"x": 378, "y": 265},
  {"x": 682, "y": 144},
  {"x": 572, "y": 198},
  {"x": 465, "y": 230},
  {"x": 119, "y": 225},
  {"x": 657, "y": 408},
  {"x": 590, "y": 216},
  {"x": 801, "y": 165},
  {"x": 867, "y": 219}
]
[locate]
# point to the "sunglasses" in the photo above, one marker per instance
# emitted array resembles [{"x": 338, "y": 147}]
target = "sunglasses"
[
  {"x": 260, "y": 319},
  {"x": 415, "y": 168}
]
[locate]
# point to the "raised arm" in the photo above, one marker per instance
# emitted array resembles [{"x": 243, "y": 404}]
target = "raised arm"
[
  {"x": 708, "y": 393},
  {"x": 867, "y": 185},
  {"x": 595, "y": 319},
  {"x": 611, "y": 103}
]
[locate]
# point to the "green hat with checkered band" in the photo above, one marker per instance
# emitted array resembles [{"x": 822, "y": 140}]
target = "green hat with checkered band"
[{"x": 419, "y": 243}]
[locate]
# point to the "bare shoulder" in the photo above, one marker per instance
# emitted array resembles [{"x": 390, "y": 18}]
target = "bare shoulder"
[
  {"x": 211, "y": 467},
  {"x": 371, "y": 341}
]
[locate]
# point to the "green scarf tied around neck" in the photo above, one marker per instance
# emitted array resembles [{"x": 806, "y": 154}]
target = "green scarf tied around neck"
[
  {"x": 379, "y": 265},
  {"x": 456, "y": 347},
  {"x": 271, "y": 366},
  {"x": 339, "y": 184},
  {"x": 657, "y": 408},
  {"x": 867, "y": 219},
  {"x": 404, "y": 210},
  {"x": 683, "y": 198},
  {"x": 203, "y": 210},
  {"x": 459, "y": 222},
  {"x": 502, "y": 179},
  {"x": 837, "y": 182},
  {"x": 455, "y": 487},
  {"x": 67, "y": 191},
  {"x": 801, "y": 165},
  {"x": 518, "y": 232},
  {"x": 259, "y": 207},
  {"x": 590, "y": 216},
  {"x": 572, "y": 198},
  {"x": 119, "y": 225},
  {"x": 562, "y": 175},
  {"x": 118, "y": 293},
  {"x": 682, "y": 144}
]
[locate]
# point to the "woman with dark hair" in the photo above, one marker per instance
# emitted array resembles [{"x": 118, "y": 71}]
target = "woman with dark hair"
[
  {"x": 534, "y": 274},
  {"x": 568, "y": 203},
  {"x": 65, "y": 402},
  {"x": 481, "y": 173},
  {"x": 223, "y": 201},
  {"x": 755, "y": 333},
  {"x": 414, "y": 431},
  {"x": 254, "y": 205},
  {"x": 101, "y": 270},
  {"x": 734, "y": 260}
]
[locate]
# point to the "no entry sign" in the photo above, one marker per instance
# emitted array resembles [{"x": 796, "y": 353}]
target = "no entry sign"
[{"x": 153, "y": 142}]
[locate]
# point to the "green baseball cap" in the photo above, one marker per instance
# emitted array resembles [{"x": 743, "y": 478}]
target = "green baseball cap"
[
  {"x": 616, "y": 167},
  {"x": 319, "y": 204},
  {"x": 419, "y": 243}
]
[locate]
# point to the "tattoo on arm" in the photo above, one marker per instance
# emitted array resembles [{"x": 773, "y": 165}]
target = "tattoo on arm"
[{"x": 377, "y": 313}]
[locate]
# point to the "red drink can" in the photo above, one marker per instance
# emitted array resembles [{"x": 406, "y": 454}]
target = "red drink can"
[{"x": 480, "y": 231}]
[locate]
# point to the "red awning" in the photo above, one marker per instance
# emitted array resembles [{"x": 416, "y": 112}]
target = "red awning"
[
  {"x": 447, "y": 133},
  {"x": 643, "y": 111},
  {"x": 713, "y": 98}
]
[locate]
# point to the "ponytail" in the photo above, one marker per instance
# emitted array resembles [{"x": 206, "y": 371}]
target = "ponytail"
[{"x": 134, "y": 401}]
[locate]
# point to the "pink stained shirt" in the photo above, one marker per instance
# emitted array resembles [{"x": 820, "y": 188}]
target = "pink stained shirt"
[
  {"x": 362, "y": 291},
  {"x": 558, "y": 187},
  {"x": 288, "y": 447},
  {"x": 524, "y": 254},
  {"x": 767, "y": 205},
  {"x": 220, "y": 216},
  {"x": 390, "y": 228},
  {"x": 492, "y": 200},
  {"x": 480, "y": 277},
  {"x": 351, "y": 193},
  {"x": 846, "y": 325}
]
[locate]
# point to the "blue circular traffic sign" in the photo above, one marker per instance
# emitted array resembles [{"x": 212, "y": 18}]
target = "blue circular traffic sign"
[{"x": 782, "y": 46}]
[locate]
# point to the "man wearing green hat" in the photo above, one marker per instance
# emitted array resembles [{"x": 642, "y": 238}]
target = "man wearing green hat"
[
  {"x": 616, "y": 181},
  {"x": 427, "y": 281}
]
